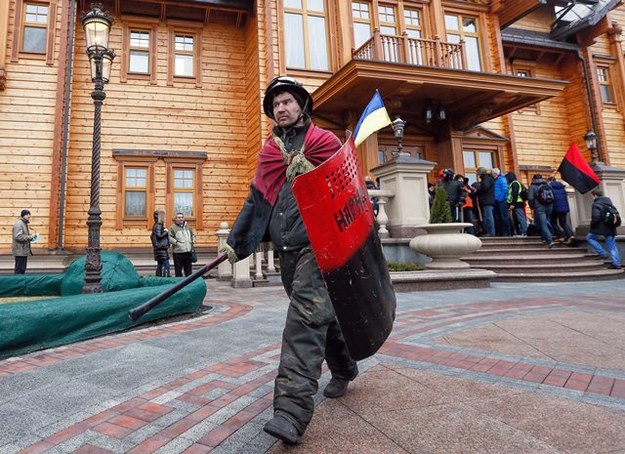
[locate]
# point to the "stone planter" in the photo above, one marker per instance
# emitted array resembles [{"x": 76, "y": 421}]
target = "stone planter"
[{"x": 445, "y": 244}]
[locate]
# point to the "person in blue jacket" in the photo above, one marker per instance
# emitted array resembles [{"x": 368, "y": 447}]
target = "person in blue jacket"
[{"x": 560, "y": 212}]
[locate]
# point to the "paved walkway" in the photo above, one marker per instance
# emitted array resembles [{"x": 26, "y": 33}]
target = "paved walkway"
[{"x": 510, "y": 369}]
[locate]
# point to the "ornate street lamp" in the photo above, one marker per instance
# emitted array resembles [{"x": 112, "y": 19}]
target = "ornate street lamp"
[
  {"x": 97, "y": 25},
  {"x": 591, "y": 143},
  {"x": 398, "y": 129}
]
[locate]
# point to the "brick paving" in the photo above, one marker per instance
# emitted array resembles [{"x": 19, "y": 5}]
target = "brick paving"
[{"x": 479, "y": 370}]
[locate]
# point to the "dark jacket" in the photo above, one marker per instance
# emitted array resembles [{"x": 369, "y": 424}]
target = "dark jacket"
[
  {"x": 514, "y": 190},
  {"x": 160, "y": 239},
  {"x": 560, "y": 199},
  {"x": 455, "y": 192},
  {"x": 259, "y": 221},
  {"x": 531, "y": 195},
  {"x": 485, "y": 191},
  {"x": 597, "y": 226}
]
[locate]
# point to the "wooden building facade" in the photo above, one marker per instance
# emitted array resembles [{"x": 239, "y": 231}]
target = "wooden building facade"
[{"x": 494, "y": 83}]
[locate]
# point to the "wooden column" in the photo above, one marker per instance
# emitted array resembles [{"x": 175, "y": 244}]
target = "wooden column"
[{"x": 4, "y": 33}]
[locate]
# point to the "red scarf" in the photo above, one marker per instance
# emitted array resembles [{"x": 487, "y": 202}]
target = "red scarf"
[{"x": 319, "y": 145}]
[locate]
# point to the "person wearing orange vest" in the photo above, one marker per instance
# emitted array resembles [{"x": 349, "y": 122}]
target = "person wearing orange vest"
[{"x": 467, "y": 207}]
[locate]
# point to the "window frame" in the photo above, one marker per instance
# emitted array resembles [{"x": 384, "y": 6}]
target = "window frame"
[
  {"x": 305, "y": 14},
  {"x": 609, "y": 83},
  {"x": 530, "y": 69},
  {"x": 185, "y": 29},
  {"x": 371, "y": 21},
  {"x": 121, "y": 220},
  {"x": 485, "y": 65},
  {"x": 20, "y": 24},
  {"x": 143, "y": 25},
  {"x": 198, "y": 208}
]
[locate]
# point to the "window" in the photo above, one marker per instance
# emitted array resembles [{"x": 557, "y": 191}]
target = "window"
[
  {"x": 412, "y": 22},
  {"x": 605, "y": 85},
  {"x": 465, "y": 28},
  {"x": 473, "y": 159},
  {"x": 386, "y": 15},
  {"x": 306, "y": 34},
  {"x": 139, "y": 52},
  {"x": 35, "y": 31},
  {"x": 363, "y": 30},
  {"x": 184, "y": 56},
  {"x": 135, "y": 192},
  {"x": 527, "y": 72},
  {"x": 184, "y": 187}
]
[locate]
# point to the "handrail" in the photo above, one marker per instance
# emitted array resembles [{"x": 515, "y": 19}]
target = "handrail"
[{"x": 412, "y": 51}]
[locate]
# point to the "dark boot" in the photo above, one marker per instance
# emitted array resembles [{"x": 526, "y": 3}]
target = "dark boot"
[
  {"x": 336, "y": 388},
  {"x": 283, "y": 429}
]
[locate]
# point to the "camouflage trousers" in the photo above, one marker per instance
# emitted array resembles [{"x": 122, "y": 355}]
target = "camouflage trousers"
[{"x": 311, "y": 334}]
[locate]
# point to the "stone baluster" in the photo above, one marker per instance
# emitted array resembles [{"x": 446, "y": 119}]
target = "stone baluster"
[
  {"x": 271, "y": 268},
  {"x": 382, "y": 218},
  {"x": 258, "y": 263},
  {"x": 224, "y": 269}
]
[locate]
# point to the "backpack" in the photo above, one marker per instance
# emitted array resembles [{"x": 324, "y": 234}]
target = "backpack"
[
  {"x": 544, "y": 194},
  {"x": 610, "y": 216}
]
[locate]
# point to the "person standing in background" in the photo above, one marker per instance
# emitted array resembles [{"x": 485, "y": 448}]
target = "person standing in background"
[
  {"x": 21, "y": 242},
  {"x": 182, "y": 238},
  {"x": 160, "y": 244}
]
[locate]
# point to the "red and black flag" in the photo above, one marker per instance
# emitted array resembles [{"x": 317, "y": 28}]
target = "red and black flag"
[
  {"x": 338, "y": 215},
  {"x": 577, "y": 172}
]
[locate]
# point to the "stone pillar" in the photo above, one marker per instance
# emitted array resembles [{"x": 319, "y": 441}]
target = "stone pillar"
[
  {"x": 407, "y": 178},
  {"x": 224, "y": 269},
  {"x": 241, "y": 274}
]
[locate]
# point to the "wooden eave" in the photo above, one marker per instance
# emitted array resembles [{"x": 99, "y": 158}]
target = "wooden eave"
[
  {"x": 469, "y": 97},
  {"x": 186, "y": 10},
  {"x": 513, "y": 10}
]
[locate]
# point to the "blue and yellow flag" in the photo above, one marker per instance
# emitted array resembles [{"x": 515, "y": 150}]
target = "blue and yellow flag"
[{"x": 374, "y": 118}]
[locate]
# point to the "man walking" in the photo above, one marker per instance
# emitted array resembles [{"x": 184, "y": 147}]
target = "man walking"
[
  {"x": 21, "y": 242},
  {"x": 560, "y": 212},
  {"x": 540, "y": 198},
  {"x": 182, "y": 239},
  {"x": 516, "y": 202},
  {"x": 601, "y": 225},
  {"x": 311, "y": 332}
]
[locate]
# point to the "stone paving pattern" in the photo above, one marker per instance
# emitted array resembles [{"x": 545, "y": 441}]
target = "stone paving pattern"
[{"x": 514, "y": 368}]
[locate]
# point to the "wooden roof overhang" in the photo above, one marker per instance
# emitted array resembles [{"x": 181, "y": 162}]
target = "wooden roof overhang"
[
  {"x": 468, "y": 97},
  {"x": 190, "y": 10}
]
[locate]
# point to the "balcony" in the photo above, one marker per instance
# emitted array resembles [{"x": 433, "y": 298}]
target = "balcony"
[
  {"x": 412, "y": 51},
  {"x": 414, "y": 73}
]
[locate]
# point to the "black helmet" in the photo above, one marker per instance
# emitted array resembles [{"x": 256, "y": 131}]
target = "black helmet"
[
  {"x": 282, "y": 83},
  {"x": 448, "y": 172}
]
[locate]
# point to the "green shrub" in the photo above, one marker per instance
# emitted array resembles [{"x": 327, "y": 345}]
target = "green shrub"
[
  {"x": 440, "y": 213},
  {"x": 397, "y": 266}
]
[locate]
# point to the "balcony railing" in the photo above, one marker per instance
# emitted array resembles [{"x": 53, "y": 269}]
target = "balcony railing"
[{"x": 412, "y": 51}]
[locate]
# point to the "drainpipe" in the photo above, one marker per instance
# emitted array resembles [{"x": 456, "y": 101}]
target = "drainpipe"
[
  {"x": 591, "y": 103},
  {"x": 66, "y": 117}
]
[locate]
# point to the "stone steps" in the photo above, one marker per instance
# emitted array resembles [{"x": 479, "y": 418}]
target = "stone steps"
[{"x": 529, "y": 260}]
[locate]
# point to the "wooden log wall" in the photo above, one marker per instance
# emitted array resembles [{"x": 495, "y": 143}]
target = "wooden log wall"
[
  {"x": 138, "y": 115},
  {"x": 27, "y": 116}
]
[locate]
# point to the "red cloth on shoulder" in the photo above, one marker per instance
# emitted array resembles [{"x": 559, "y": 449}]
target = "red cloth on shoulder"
[{"x": 319, "y": 145}]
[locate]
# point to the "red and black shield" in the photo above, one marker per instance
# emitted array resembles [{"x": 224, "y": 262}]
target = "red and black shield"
[{"x": 338, "y": 215}]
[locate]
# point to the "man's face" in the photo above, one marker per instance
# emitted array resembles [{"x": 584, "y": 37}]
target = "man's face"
[
  {"x": 27, "y": 217},
  {"x": 286, "y": 110},
  {"x": 180, "y": 218}
]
